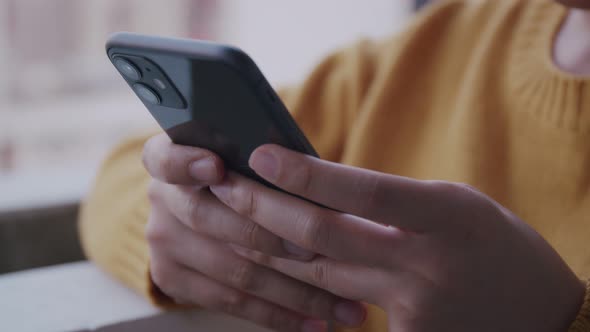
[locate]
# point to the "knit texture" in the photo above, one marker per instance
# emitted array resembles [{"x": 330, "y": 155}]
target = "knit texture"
[
  {"x": 467, "y": 92},
  {"x": 582, "y": 322}
]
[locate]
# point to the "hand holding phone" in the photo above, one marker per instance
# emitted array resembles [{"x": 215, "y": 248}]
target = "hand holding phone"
[{"x": 216, "y": 108}]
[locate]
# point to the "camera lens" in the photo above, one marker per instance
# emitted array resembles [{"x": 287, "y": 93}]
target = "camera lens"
[
  {"x": 146, "y": 93},
  {"x": 127, "y": 69}
]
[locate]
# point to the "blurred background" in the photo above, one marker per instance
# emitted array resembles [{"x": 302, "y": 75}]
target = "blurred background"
[{"x": 63, "y": 106}]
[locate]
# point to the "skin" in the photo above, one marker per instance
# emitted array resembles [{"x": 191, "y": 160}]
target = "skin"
[
  {"x": 571, "y": 52},
  {"x": 192, "y": 236},
  {"x": 434, "y": 255}
]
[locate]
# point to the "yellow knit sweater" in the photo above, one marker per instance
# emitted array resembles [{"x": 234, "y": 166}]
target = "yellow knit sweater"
[{"x": 468, "y": 92}]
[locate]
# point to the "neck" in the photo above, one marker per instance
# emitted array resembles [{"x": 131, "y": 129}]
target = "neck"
[{"x": 571, "y": 50}]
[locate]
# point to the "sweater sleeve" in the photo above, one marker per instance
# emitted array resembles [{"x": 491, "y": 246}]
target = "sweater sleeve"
[
  {"x": 115, "y": 212},
  {"x": 327, "y": 103},
  {"x": 113, "y": 217},
  {"x": 582, "y": 322}
]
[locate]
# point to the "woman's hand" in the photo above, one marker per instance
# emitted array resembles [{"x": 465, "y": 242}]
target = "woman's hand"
[
  {"x": 190, "y": 232},
  {"x": 436, "y": 256}
]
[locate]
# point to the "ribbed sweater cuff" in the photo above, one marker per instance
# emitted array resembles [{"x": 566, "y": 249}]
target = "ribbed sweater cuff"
[
  {"x": 582, "y": 322},
  {"x": 132, "y": 264}
]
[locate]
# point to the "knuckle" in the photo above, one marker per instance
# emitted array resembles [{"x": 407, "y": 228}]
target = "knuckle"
[
  {"x": 244, "y": 201},
  {"x": 194, "y": 211},
  {"x": 251, "y": 234},
  {"x": 234, "y": 303},
  {"x": 243, "y": 276},
  {"x": 462, "y": 194},
  {"x": 315, "y": 232},
  {"x": 454, "y": 200},
  {"x": 261, "y": 258},
  {"x": 451, "y": 189},
  {"x": 156, "y": 232},
  {"x": 320, "y": 274},
  {"x": 440, "y": 187}
]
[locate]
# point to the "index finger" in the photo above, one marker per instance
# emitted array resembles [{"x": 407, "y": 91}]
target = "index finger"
[
  {"x": 181, "y": 164},
  {"x": 334, "y": 234},
  {"x": 388, "y": 199}
]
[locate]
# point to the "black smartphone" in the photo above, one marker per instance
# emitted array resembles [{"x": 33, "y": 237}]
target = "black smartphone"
[{"x": 206, "y": 95}]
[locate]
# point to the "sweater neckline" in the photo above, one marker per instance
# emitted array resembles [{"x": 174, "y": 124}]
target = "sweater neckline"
[{"x": 554, "y": 96}]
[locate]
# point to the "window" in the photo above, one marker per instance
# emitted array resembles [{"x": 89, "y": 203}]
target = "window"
[{"x": 63, "y": 106}]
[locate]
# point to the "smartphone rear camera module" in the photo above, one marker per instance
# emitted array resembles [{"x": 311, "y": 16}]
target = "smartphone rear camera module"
[
  {"x": 128, "y": 69},
  {"x": 148, "y": 80},
  {"x": 146, "y": 93}
]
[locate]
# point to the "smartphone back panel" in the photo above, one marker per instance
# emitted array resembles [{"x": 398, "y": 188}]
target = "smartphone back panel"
[{"x": 209, "y": 95}]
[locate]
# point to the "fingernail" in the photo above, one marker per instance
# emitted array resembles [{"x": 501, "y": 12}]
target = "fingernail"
[
  {"x": 222, "y": 191},
  {"x": 296, "y": 250},
  {"x": 313, "y": 325},
  {"x": 265, "y": 164},
  {"x": 350, "y": 313},
  {"x": 203, "y": 169}
]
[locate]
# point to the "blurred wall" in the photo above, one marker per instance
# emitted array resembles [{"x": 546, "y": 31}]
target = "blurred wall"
[{"x": 286, "y": 38}]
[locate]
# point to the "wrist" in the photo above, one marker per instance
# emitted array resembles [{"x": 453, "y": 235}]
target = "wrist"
[{"x": 551, "y": 307}]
